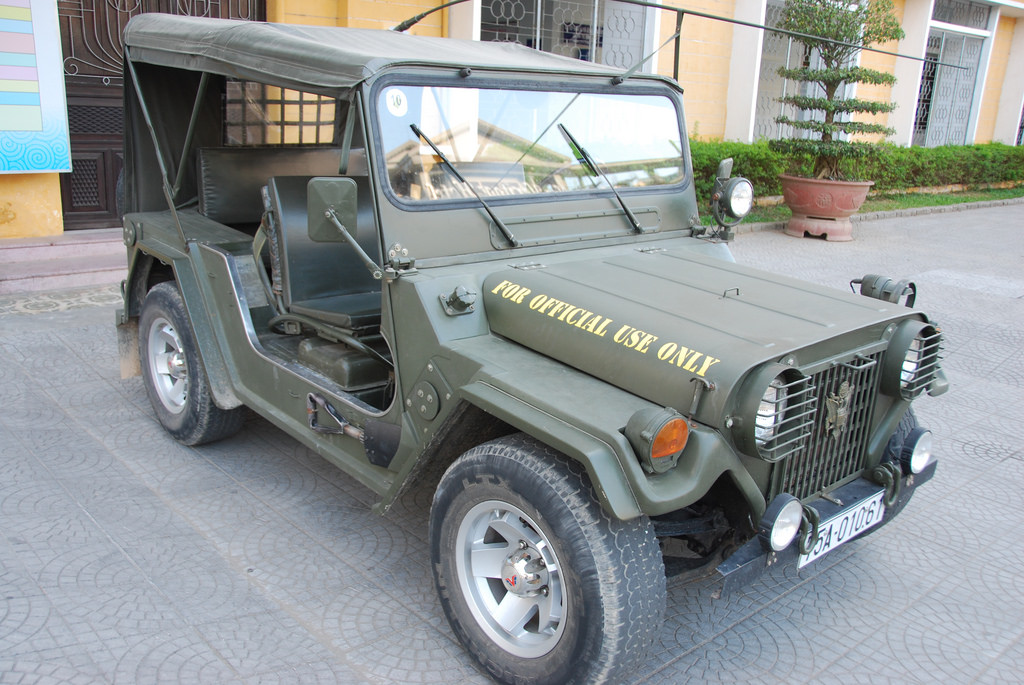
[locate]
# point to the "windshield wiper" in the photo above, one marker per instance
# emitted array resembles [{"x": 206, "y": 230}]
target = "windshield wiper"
[
  {"x": 584, "y": 158},
  {"x": 455, "y": 172}
]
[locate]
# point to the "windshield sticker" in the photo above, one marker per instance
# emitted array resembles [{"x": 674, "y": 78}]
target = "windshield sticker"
[
  {"x": 626, "y": 335},
  {"x": 397, "y": 102}
]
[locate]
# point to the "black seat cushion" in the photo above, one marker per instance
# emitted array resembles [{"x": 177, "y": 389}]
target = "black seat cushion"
[{"x": 357, "y": 311}]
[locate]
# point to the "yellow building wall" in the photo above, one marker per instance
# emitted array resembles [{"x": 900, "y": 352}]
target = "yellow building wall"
[
  {"x": 998, "y": 64},
  {"x": 879, "y": 93},
  {"x": 30, "y": 205},
  {"x": 703, "y": 63},
  {"x": 363, "y": 14}
]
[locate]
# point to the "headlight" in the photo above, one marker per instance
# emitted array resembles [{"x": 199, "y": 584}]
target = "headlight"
[
  {"x": 912, "y": 362},
  {"x": 775, "y": 413},
  {"x": 781, "y": 522},
  {"x": 770, "y": 411},
  {"x": 737, "y": 197},
  {"x": 731, "y": 198},
  {"x": 916, "y": 453}
]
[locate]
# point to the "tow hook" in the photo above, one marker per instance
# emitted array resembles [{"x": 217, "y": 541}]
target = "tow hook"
[
  {"x": 809, "y": 529},
  {"x": 890, "y": 477}
]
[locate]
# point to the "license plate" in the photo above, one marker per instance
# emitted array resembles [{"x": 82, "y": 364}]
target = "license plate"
[{"x": 845, "y": 526}]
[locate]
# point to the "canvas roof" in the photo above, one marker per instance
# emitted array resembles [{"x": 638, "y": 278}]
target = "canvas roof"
[{"x": 320, "y": 57}]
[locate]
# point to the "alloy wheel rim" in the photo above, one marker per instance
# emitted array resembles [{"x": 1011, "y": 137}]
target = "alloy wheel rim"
[
  {"x": 167, "y": 365},
  {"x": 511, "y": 579}
]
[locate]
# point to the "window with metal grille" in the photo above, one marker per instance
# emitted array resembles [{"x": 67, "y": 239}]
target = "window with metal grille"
[
  {"x": 779, "y": 50},
  {"x": 946, "y": 97},
  {"x": 602, "y": 31},
  {"x": 258, "y": 114},
  {"x": 974, "y": 15}
]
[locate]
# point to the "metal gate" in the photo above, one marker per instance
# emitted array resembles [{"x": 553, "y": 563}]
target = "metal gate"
[{"x": 91, "y": 39}]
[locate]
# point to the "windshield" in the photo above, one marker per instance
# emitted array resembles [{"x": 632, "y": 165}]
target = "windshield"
[{"x": 507, "y": 142}]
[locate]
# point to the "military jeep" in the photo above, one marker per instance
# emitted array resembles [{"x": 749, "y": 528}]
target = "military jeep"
[{"x": 480, "y": 268}]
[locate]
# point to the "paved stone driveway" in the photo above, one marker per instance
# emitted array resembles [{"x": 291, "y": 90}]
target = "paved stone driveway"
[{"x": 127, "y": 558}]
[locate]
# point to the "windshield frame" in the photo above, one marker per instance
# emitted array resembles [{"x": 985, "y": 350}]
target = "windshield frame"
[{"x": 539, "y": 82}]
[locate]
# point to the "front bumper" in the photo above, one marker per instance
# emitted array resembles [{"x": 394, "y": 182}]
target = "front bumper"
[{"x": 751, "y": 560}]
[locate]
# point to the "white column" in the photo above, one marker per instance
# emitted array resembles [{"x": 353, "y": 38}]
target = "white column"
[
  {"x": 916, "y": 15},
  {"x": 464, "y": 20},
  {"x": 744, "y": 69},
  {"x": 982, "y": 78},
  {"x": 1011, "y": 96}
]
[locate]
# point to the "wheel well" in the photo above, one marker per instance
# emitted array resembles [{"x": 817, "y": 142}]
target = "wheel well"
[
  {"x": 723, "y": 501},
  {"x": 466, "y": 427},
  {"x": 726, "y": 494},
  {"x": 148, "y": 272},
  {"x": 697, "y": 538}
]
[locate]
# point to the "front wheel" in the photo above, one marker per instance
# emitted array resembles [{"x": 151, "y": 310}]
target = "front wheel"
[
  {"x": 892, "y": 453},
  {"x": 174, "y": 375},
  {"x": 538, "y": 582}
]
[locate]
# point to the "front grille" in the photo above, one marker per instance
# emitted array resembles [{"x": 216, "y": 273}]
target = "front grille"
[{"x": 842, "y": 421}]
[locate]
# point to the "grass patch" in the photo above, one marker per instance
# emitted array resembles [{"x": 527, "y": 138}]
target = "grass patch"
[{"x": 886, "y": 203}]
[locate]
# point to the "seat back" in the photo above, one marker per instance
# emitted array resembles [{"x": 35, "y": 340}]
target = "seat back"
[
  {"x": 326, "y": 280},
  {"x": 230, "y": 178}
]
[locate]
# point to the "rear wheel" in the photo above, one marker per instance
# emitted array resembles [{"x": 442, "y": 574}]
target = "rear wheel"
[
  {"x": 538, "y": 582},
  {"x": 174, "y": 376}
]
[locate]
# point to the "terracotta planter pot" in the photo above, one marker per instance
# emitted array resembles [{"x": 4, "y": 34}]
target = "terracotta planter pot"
[{"x": 822, "y": 207}]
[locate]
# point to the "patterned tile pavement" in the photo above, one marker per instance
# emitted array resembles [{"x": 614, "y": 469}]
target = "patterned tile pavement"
[{"x": 127, "y": 558}]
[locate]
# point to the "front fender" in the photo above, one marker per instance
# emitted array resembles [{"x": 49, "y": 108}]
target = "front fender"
[
  {"x": 154, "y": 258},
  {"x": 583, "y": 417},
  {"x": 597, "y": 455}
]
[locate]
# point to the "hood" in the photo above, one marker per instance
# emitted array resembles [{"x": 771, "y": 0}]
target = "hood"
[{"x": 654, "y": 322}]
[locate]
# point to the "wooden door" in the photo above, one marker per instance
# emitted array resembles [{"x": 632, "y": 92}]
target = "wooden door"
[{"x": 91, "y": 37}]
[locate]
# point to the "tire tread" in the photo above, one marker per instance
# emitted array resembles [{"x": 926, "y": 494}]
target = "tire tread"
[{"x": 623, "y": 551}]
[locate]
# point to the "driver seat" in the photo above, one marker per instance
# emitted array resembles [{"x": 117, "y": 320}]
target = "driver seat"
[{"x": 325, "y": 281}]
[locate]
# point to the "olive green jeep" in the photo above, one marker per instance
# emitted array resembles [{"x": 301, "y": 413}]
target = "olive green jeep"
[{"x": 480, "y": 268}]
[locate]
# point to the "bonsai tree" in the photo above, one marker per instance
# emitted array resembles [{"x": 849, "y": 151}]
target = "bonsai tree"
[{"x": 854, "y": 24}]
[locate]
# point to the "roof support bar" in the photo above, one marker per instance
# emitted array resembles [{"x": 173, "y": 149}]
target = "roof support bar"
[
  {"x": 200, "y": 93},
  {"x": 168, "y": 192},
  {"x": 679, "y": 37}
]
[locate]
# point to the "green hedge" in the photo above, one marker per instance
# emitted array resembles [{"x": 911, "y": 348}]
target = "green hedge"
[{"x": 893, "y": 168}]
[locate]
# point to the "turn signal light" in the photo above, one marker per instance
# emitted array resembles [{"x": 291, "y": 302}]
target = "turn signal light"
[
  {"x": 671, "y": 439},
  {"x": 658, "y": 436}
]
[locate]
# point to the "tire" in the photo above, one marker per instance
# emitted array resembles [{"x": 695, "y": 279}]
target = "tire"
[
  {"x": 173, "y": 373},
  {"x": 539, "y": 583},
  {"x": 892, "y": 453}
]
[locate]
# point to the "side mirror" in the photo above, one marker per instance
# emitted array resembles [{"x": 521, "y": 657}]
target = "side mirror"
[
  {"x": 332, "y": 211},
  {"x": 724, "y": 168},
  {"x": 325, "y": 195}
]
